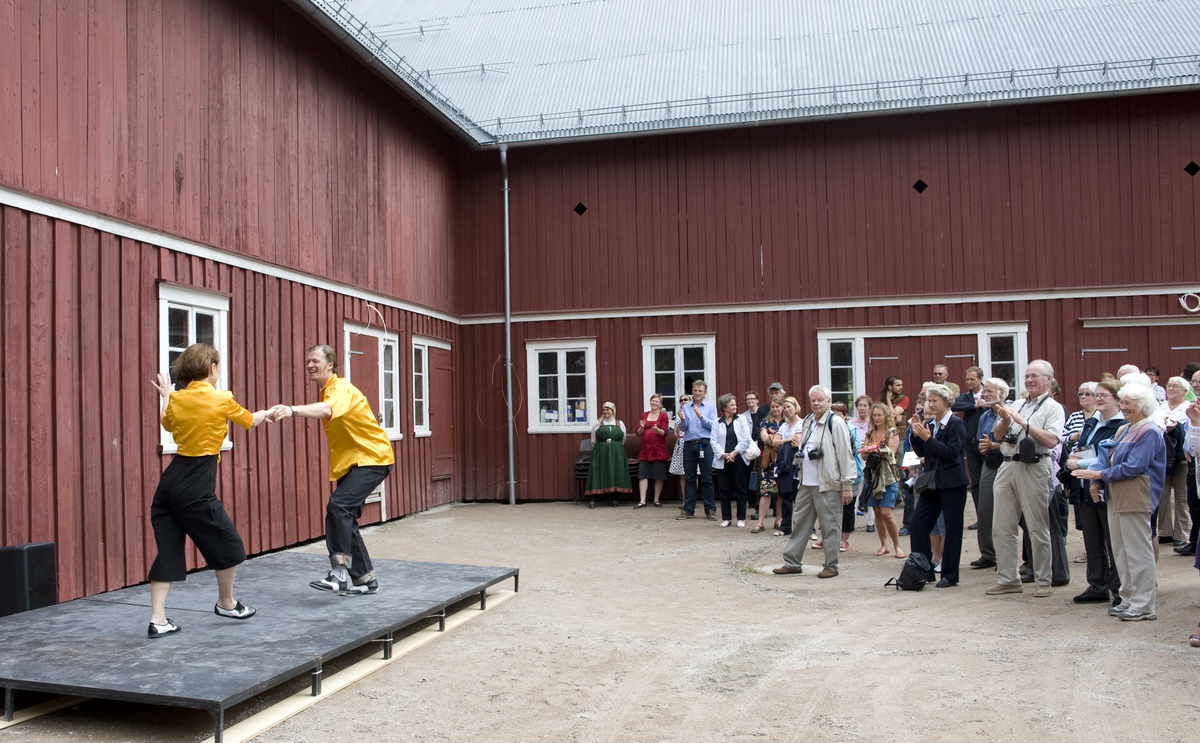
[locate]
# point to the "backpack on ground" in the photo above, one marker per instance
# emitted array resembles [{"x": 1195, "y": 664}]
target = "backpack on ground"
[{"x": 913, "y": 574}]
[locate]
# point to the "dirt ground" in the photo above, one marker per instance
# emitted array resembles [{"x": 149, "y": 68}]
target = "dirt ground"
[{"x": 632, "y": 626}]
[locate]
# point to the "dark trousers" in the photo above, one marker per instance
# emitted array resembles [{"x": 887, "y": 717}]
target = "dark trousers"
[
  {"x": 1193, "y": 501},
  {"x": 732, "y": 478},
  {"x": 1060, "y": 566},
  {"x": 975, "y": 471},
  {"x": 950, "y": 502},
  {"x": 345, "y": 543},
  {"x": 185, "y": 505},
  {"x": 907, "y": 493},
  {"x": 786, "y": 506},
  {"x": 698, "y": 453},
  {"x": 1102, "y": 575}
]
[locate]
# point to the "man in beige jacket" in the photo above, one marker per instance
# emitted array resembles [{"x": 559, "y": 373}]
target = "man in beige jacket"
[{"x": 825, "y": 476}]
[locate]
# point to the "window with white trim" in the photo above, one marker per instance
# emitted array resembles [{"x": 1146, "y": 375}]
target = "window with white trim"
[
  {"x": 1002, "y": 355},
  {"x": 187, "y": 316},
  {"x": 561, "y": 380},
  {"x": 670, "y": 364},
  {"x": 841, "y": 371},
  {"x": 420, "y": 373},
  {"x": 370, "y": 364}
]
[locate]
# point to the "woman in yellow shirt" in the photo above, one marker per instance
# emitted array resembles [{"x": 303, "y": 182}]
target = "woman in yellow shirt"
[{"x": 185, "y": 503}]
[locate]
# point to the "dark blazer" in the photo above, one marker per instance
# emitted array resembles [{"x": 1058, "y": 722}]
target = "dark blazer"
[
  {"x": 1075, "y": 488},
  {"x": 965, "y": 404},
  {"x": 946, "y": 450}
]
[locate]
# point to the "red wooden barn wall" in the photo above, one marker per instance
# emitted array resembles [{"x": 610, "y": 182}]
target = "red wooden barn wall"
[
  {"x": 233, "y": 123},
  {"x": 80, "y": 426},
  {"x": 754, "y": 349},
  {"x": 1057, "y": 194}
]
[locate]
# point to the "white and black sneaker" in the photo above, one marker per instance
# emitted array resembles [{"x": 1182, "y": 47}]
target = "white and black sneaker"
[
  {"x": 239, "y": 611},
  {"x": 341, "y": 587},
  {"x": 160, "y": 630},
  {"x": 367, "y": 586}
]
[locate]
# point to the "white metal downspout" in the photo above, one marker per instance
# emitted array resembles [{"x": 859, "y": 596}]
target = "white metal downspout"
[{"x": 508, "y": 365}]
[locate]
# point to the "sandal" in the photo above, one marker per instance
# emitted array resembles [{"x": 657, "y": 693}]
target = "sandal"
[
  {"x": 640, "y": 505},
  {"x": 882, "y": 551},
  {"x": 757, "y": 529},
  {"x": 900, "y": 554},
  {"x": 657, "y": 504},
  {"x": 1193, "y": 640}
]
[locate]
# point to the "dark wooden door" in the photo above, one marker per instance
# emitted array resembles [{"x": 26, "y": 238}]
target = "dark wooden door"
[
  {"x": 912, "y": 358},
  {"x": 364, "y": 368},
  {"x": 441, "y": 412}
]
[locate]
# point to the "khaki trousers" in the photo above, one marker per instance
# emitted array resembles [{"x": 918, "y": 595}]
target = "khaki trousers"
[
  {"x": 1133, "y": 553},
  {"x": 813, "y": 504},
  {"x": 1021, "y": 489},
  {"x": 1173, "y": 518}
]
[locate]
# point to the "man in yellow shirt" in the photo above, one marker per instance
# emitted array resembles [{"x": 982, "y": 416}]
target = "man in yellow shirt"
[{"x": 360, "y": 457}]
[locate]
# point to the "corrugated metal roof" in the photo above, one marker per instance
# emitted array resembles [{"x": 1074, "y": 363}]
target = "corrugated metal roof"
[{"x": 531, "y": 70}]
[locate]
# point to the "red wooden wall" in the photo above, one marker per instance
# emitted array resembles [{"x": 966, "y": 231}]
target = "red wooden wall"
[
  {"x": 754, "y": 349},
  {"x": 79, "y": 437},
  {"x": 234, "y": 123},
  {"x": 1019, "y": 197}
]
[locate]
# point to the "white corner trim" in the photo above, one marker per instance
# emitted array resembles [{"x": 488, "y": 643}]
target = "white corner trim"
[{"x": 121, "y": 228}]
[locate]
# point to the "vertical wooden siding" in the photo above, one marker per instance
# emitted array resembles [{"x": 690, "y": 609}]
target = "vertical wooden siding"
[
  {"x": 754, "y": 349},
  {"x": 80, "y": 334},
  {"x": 1019, "y": 197},
  {"x": 234, "y": 123}
]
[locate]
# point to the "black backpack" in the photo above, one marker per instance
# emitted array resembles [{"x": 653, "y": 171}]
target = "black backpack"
[{"x": 913, "y": 574}]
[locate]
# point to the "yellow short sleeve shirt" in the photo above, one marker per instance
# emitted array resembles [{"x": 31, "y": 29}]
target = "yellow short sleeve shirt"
[
  {"x": 198, "y": 415},
  {"x": 355, "y": 436}
]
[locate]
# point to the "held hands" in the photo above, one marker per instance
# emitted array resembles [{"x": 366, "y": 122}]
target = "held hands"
[
  {"x": 279, "y": 412},
  {"x": 259, "y": 416}
]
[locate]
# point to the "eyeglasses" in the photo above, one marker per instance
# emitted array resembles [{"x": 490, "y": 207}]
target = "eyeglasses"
[
  {"x": 1085, "y": 394},
  {"x": 1034, "y": 375}
]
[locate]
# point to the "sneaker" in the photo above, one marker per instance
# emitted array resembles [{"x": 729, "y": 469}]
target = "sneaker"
[
  {"x": 711, "y": 515},
  {"x": 1118, "y": 610},
  {"x": 333, "y": 585},
  {"x": 683, "y": 515},
  {"x": 741, "y": 524},
  {"x": 724, "y": 524},
  {"x": 161, "y": 630},
  {"x": 937, "y": 568},
  {"x": 819, "y": 543},
  {"x": 1002, "y": 588},
  {"x": 814, "y": 537},
  {"x": 904, "y": 531},
  {"x": 870, "y": 528},
  {"x": 860, "y": 512},
  {"x": 844, "y": 546},
  {"x": 239, "y": 611},
  {"x": 1043, "y": 591},
  {"x": 1137, "y": 616}
]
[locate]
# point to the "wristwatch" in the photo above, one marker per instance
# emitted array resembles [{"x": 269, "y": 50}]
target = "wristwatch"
[{"x": 293, "y": 411}]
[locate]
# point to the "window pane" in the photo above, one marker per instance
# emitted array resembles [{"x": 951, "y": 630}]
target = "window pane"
[
  {"x": 1003, "y": 348},
  {"x": 576, "y": 410},
  {"x": 693, "y": 360},
  {"x": 177, "y": 328},
  {"x": 418, "y": 360},
  {"x": 844, "y": 397},
  {"x": 689, "y": 379},
  {"x": 548, "y": 362},
  {"x": 171, "y": 356},
  {"x": 389, "y": 357},
  {"x": 389, "y": 414},
  {"x": 576, "y": 385},
  {"x": 1007, "y": 372},
  {"x": 664, "y": 384},
  {"x": 664, "y": 359},
  {"x": 419, "y": 413},
  {"x": 841, "y": 354},
  {"x": 669, "y": 404},
  {"x": 576, "y": 362},
  {"x": 548, "y": 411},
  {"x": 839, "y": 379},
  {"x": 548, "y": 388},
  {"x": 204, "y": 329}
]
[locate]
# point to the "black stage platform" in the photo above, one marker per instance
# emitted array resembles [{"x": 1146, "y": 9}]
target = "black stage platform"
[{"x": 97, "y": 646}]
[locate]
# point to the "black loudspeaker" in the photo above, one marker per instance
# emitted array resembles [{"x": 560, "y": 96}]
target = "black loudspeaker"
[{"x": 28, "y": 577}]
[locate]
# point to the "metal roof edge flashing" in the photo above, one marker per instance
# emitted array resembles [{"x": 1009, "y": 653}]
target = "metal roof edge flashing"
[
  {"x": 749, "y": 119},
  {"x": 425, "y": 96}
]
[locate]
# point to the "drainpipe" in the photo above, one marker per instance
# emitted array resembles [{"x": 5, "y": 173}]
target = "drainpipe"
[{"x": 508, "y": 365}]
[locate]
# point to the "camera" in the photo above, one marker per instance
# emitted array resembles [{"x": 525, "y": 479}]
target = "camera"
[
  {"x": 1011, "y": 438},
  {"x": 815, "y": 454}
]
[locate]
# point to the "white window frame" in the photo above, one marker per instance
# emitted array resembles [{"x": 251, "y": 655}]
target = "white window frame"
[
  {"x": 532, "y": 349},
  {"x": 424, "y": 343},
  {"x": 982, "y": 331},
  {"x": 651, "y": 342},
  {"x": 174, "y": 295},
  {"x": 384, "y": 337}
]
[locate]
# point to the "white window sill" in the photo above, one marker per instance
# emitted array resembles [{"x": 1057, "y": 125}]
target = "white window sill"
[
  {"x": 422, "y": 434},
  {"x": 584, "y": 429}
]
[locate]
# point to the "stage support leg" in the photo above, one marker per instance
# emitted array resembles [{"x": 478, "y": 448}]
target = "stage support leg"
[
  {"x": 483, "y": 600},
  {"x": 387, "y": 645},
  {"x": 218, "y": 716},
  {"x": 517, "y": 583},
  {"x": 10, "y": 703},
  {"x": 316, "y": 682}
]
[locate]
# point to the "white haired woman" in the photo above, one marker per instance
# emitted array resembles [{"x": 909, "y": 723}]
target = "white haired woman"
[
  {"x": 1174, "y": 523},
  {"x": 1133, "y": 471},
  {"x": 940, "y": 441}
]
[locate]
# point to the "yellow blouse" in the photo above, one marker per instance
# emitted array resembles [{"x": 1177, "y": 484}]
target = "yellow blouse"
[
  {"x": 198, "y": 416},
  {"x": 355, "y": 437}
]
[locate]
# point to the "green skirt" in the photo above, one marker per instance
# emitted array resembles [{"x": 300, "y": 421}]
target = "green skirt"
[{"x": 609, "y": 472}]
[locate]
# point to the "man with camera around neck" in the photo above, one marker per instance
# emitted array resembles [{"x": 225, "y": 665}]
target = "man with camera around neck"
[
  {"x": 1029, "y": 431},
  {"x": 825, "y": 472}
]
